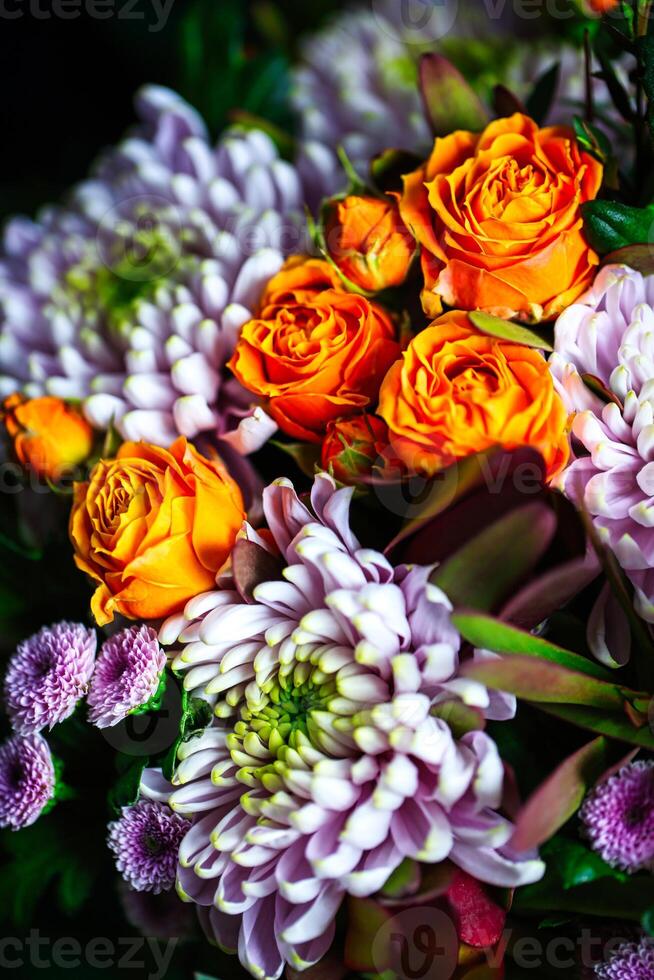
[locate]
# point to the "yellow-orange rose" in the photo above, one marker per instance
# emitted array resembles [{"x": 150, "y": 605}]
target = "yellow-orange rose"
[
  {"x": 498, "y": 217},
  {"x": 48, "y": 436},
  {"x": 153, "y": 527},
  {"x": 315, "y": 352},
  {"x": 458, "y": 392},
  {"x": 369, "y": 243}
]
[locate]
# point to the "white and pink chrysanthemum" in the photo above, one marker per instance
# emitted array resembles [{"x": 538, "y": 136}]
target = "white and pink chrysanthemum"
[
  {"x": 335, "y": 766},
  {"x": 130, "y": 297},
  {"x": 609, "y": 335}
]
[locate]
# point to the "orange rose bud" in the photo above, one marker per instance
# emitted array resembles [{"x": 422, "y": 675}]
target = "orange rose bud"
[
  {"x": 353, "y": 447},
  {"x": 49, "y": 436},
  {"x": 458, "y": 392},
  {"x": 153, "y": 527},
  {"x": 498, "y": 217},
  {"x": 369, "y": 242},
  {"x": 316, "y": 352},
  {"x": 599, "y": 6}
]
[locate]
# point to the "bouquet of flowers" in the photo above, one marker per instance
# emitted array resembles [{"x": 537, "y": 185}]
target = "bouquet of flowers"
[{"x": 333, "y": 455}]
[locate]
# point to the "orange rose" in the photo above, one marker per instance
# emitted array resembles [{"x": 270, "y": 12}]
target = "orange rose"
[
  {"x": 48, "y": 436},
  {"x": 497, "y": 215},
  {"x": 153, "y": 527},
  {"x": 316, "y": 352},
  {"x": 353, "y": 446},
  {"x": 458, "y": 392},
  {"x": 369, "y": 243}
]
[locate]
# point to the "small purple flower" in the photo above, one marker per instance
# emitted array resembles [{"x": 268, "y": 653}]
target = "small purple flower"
[
  {"x": 127, "y": 674},
  {"x": 27, "y": 780},
  {"x": 48, "y": 675},
  {"x": 618, "y": 818},
  {"x": 145, "y": 841},
  {"x": 631, "y": 961}
]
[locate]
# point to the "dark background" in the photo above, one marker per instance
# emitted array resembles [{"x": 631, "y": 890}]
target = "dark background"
[{"x": 67, "y": 84}]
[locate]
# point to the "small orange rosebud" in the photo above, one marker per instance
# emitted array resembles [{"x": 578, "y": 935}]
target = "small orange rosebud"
[
  {"x": 369, "y": 242},
  {"x": 352, "y": 447},
  {"x": 49, "y": 436},
  {"x": 599, "y": 6}
]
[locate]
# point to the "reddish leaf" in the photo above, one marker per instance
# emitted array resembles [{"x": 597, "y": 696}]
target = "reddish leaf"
[
  {"x": 465, "y": 577},
  {"x": 252, "y": 564},
  {"x": 548, "y": 592},
  {"x": 478, "y": 919},
  {"x": 545, "y": 682},
  {"x": 450, "y": 102},
  {"x": 561, "y": 795}
]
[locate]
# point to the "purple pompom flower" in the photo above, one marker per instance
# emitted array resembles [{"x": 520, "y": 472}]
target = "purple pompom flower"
[
  {"x": 126, "y": 675},
  {"x": 333, "y": 679},
  {"x": 145, "y": 841},
  {"x": 618, "y": 818},
  {"x": 631, "y": 961},
  {"x": 27, "y": 780},
  {"x": 48, "y": 675}
]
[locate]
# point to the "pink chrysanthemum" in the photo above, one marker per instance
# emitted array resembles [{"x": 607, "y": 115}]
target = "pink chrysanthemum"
[
  {"x": 145, "y": 841},
  {"x": 27, "y": 780},
  {"x": 336, "y": 765},
  {"x": 618, "y": 818},
  {"x": 609, "y": 334},
  {"x": 631, "y": 961},
  {"x": 48, "y": 675},
  {"x": 126, "y": 675}
]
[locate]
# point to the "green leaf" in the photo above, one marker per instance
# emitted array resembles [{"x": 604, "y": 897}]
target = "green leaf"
[
  {"x": 544, "y": 682},
  {"x": 610, "y": 225},
  {"x": 75, "y": 887},
  {"x": 540, "y": 100},
  {"x": 153, "y": 703},
  {"x": 647, "y": 921},
  {"x": 491, "y": 634},
  {"x": 579, "y": 881},
  {"x": 494, "y": 326},
  {"x": 125, "y": 790},
  {"x": 196, "y": 715},
  {"x": 465, "y": 578},
  {"x": 36, "y": 857},
  {"x": 450, "y": 102},
  {"x": 616, "y": 726},
  {"x": 617, "y": 91}
]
